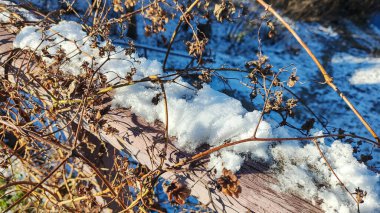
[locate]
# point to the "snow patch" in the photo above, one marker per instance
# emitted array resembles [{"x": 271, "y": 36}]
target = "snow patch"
[
  {"x": 368, "y": 73},
  {"x": 303, "y": 171},
  {"x": 366, "y": 76}
]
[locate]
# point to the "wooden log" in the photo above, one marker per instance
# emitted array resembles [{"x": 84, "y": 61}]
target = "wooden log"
[{"x": 144, "y": 141}]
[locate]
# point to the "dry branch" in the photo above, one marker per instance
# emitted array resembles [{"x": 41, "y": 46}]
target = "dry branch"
[{"x": 326, "y": 76}]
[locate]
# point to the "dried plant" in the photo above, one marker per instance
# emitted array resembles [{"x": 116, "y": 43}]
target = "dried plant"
[
  {"x": 177, "y": 191},
  {"x": 229, "y": 184},
  {"x": 360, "y": 195},
  {"x": 54, "y": 124}
]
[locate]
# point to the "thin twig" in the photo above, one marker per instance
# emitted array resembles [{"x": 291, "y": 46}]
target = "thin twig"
[
  {"x": 176, "y": 31},
  {"x": 332, "y": 170}
]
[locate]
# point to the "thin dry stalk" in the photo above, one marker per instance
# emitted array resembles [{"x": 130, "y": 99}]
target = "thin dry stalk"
[{"x": 326, "y": 76}]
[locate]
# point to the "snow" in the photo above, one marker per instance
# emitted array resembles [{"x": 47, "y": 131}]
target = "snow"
[
  {"x": 368, "y": 73},
  {"x": 366, "y": 76},
  {"x": 12, "y": 7},
  {"x": 29, "y": 37},
  {"x": 16, "y": 170},
  {"x": 211, "y": 117},
  {"x": 4, "y": 17},
  {"x": 225, "y": 159},
  {"x": 206, "y": 117},
  {"x": 303, "y": 171}
]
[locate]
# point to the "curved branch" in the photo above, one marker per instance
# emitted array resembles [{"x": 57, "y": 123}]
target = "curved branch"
[{"x": 254, "y": 139}]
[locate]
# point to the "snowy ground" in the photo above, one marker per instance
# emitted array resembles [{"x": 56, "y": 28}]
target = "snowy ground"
[{"x": 220, "y": 117}]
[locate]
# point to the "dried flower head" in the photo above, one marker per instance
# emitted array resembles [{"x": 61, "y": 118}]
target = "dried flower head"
[
  {"x": 117, "y": 6},
  {"x": 177, "y": 191},
  {"x": 360, "y": 195},
  {"x": 130, "y": 3},
  {"x": 293, "y": 79},
  {"x": 224, "y": 10},
  {"x": 291, "y": 103},
  {"x": 158, "y": 18},
  {"x": 196, "y": 47},
  {"x": 229, "y": 184},
  {"x": 205, "y": 76}
]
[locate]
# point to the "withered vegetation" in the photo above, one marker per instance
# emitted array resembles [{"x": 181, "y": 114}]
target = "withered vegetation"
[{"x": 52, "y": 122}]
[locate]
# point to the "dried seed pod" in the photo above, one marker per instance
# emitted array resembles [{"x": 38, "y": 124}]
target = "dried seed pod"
[
  {"x": 272, "y": 31},
  {"x": 291, "y": 103},
  {"x": 268, "y": 107},
  {"x": 205, "y": 76},
  {"x": 360, "y": 195},
  {"x": 177, "y": 191},
  {"x": 276, "y": 82},
  {"x": 279, "y": 97},
  {"x": 293, "y": 79},
  {"x": 224, "y": 10},
  {"x": 130, "y": 3},
  {"x": 253, "y": 94},
  {"x": 229, "y": 183},
  {"x": 117, "y": 6},
  {"x": 196, "y": 47},
  {"x": 158, "y": 18}
]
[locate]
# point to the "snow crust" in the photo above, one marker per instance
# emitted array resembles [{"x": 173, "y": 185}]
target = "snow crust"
[{"x": 210, "y": 117}]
